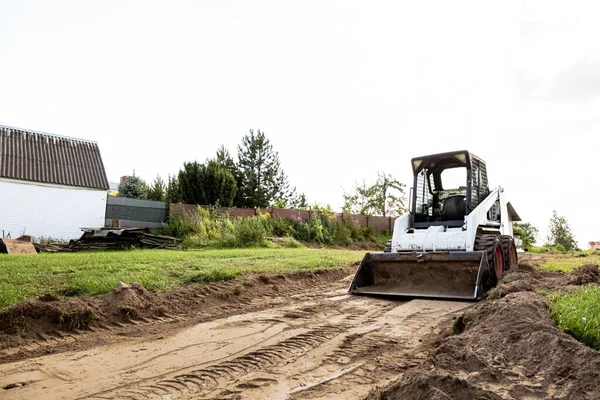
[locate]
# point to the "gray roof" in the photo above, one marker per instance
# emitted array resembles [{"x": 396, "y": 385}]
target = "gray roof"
[{"x": 42, "y": 157}]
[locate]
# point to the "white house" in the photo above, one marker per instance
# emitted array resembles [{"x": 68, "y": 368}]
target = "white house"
[{"x": 50, "y": 186}]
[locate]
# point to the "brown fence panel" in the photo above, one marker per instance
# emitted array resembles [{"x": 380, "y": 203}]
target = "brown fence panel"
[
  {"x": 289, "y": 213},
  {"x": 178, "y": 209},
  {"x": 381, "y": 223},
  {"x": 240, "y": 212},
  {"x": 359, "y": 219},
  {"x": 337, "y": 217}
]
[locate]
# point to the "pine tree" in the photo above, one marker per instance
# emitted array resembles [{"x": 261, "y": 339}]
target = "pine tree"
[
  {"x": 173, "y": 191},
  {"x": 190, "y": 183},
  {"x": 226, "y": 161},
  {"x": 133, "y": 188},
  {"x": 157, "y": 190},
  {"x": 263, "y": 179}
]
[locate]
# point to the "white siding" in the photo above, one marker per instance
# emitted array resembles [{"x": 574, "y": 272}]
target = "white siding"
[{"x": 49, "y": 210}]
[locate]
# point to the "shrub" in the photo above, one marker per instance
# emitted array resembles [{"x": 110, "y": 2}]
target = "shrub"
[
  {"x": 284, "y": 227},
  {"x": 342, "y": 234},
  {"x": 214, "y": 228},
  {"x": 249, "y": 231},
  {"x": 292, "y": 243}
]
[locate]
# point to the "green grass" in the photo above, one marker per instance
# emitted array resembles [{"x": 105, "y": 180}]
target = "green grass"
[
  {"x": 568, "y": 263},
  {"x": 578, "y": 314},
  {"x": 76, "y": 274}
]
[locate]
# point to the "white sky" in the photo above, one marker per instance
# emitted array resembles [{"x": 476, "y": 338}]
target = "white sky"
[{"x": 342, "y": 88}]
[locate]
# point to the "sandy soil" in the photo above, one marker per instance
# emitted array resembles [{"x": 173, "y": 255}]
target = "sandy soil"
[
  {"x": 507, "y": 348},
  {"x": 298, "y": 336},
  {"x": 300, "y": 343}
]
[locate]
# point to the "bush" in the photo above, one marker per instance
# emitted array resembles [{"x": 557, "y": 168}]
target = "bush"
[
  {"x": 249, "y": 231},
  {"x": 214, "y": 228},
  {"x": 342, "y": 234},
  {"x": 284, "y": 227},
  {"x": 578, "y": 314},
  {"x": 292, "y": 243}
]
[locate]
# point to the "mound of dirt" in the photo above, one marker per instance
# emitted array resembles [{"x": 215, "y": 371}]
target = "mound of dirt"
[
  {"x": 49, "y": 317},
  {"x": 35, "y": 317},
  {"x": 427, "y": 385},
  {"x": 525, "y": 278},
  {"x": 588, "y": 273},
  {"x": 507, "y": 348}
]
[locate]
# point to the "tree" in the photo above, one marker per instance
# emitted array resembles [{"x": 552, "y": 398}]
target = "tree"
[
  {"x": 299, "y": 202},
  {"x": 157, "y": 190},
  {"x": 357, "y": 202},
  {"x": 206, "y": 184},
  {"x": 384, "y": 197},
  {"x": 293, "y": 200},
  {"x": 388, "y": 195},
  {"x": 190, "y": 183},
  {"x": 263, "y": 179},
  {"x": 527, "y": 232},
  {"x": 134, "y": 188},
  {"x": 219, "y": 185},
  {"x": 226, "y": 161},
  {"x": 173, "y": 192},
  {"x": 560, "y": 233}
]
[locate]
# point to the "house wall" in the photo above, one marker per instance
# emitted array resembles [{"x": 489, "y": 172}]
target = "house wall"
[{"x": 44, "y": 210}]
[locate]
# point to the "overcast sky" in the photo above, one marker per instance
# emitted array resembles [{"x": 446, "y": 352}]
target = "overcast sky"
[{"x": 343, "y": 89}]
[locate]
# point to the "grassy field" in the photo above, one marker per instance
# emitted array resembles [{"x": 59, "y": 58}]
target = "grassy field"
[
  {"x": 76, "y": 274},
  {"x": 578, "y": 314},
  {"x": 566, "y": 263}
]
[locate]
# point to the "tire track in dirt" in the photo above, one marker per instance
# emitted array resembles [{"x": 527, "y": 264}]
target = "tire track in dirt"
[
  {"x": 316, "y": 342},
  {"x": 185, "y": 306},
  {"x": 196, "y": 381},
  {"x": 365, "y": 355},
  {"x": 302, "y": 318}
]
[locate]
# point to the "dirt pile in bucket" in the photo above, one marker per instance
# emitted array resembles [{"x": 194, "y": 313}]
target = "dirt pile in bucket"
[{"x": 506, "y": 348}]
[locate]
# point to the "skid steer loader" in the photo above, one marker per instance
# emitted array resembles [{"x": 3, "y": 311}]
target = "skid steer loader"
[{"x": 454, "y": 242}]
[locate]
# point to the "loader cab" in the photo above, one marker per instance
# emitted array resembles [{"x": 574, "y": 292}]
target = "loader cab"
[{"x": 446, "y": 188}]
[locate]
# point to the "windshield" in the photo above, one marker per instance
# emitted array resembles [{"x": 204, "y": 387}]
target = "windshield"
[
  {"x": 433, "y": 188},
  {"x": 454, "y": 180}
]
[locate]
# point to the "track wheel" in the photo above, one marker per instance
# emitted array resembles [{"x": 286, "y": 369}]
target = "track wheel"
[
  {"x": 498, "y": 261},
  {"x": 510, "y": 252},
  {"x": 491, "y": 244}
]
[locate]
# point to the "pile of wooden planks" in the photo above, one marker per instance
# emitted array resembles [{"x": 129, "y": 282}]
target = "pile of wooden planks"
[{"x": 114, "y": 239}]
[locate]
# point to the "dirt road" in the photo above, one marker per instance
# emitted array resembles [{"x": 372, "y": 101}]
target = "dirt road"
[{"x": 311, "y": 343}]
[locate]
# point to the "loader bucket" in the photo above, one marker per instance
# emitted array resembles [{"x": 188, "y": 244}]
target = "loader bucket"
[{"x": 452, "y": 275}]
